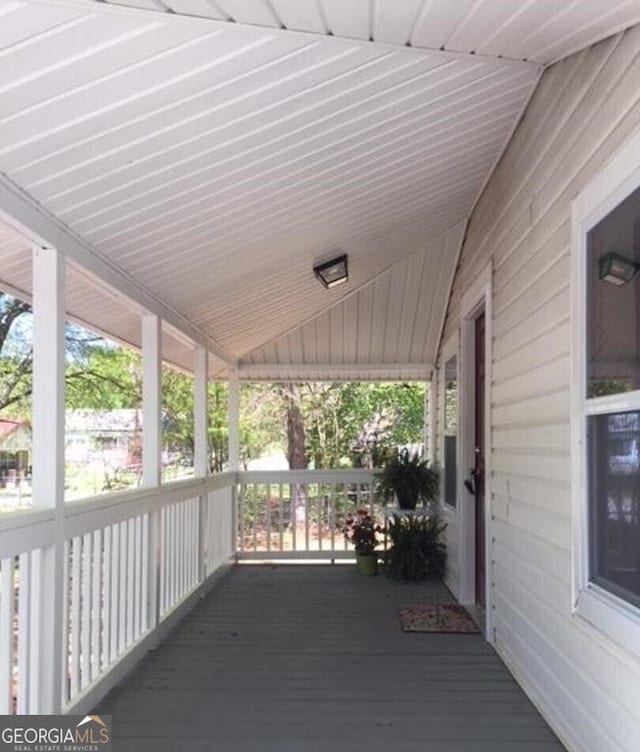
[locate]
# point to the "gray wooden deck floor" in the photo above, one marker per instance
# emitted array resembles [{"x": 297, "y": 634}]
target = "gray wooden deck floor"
[{"x": 312, "y": 659}]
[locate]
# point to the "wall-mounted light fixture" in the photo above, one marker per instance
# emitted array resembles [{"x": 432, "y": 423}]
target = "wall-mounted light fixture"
[
  {"x": 333, "y": 272},
  {"x": 616, "y": 269}
]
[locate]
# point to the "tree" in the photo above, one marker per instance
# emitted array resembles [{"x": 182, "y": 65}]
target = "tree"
[
  {"x": 218, "y": 433},
  {"x": 262, "y": 420},
  {"x": 101, "y": 376},
  {"x": 296, "y": 453},
  {"x": 325, "y": 425},
  {"x": 177, "y": 411},
  {"x": 16, "y": 355},
  {"x": 354, "y": 423},
  {"x": 98, "y": 374}
]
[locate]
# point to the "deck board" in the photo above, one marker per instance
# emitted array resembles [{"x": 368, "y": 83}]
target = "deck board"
[{"x": 312, "y": 659}]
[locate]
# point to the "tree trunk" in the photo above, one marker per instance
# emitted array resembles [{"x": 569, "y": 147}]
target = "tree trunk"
[
  {"x": 295, "y": 428},
  {"x": 296, "y": 450}
]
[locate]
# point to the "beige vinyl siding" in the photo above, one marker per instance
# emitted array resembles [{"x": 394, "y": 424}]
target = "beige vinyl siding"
[{"x": 585, "y": 108}]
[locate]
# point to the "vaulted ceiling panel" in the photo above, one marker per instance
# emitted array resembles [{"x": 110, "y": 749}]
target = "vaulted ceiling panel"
[{"x": 387, "y": 321}]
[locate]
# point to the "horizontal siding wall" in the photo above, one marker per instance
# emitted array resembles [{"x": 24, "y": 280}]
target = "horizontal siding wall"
[{"x": 585, "y": 108}]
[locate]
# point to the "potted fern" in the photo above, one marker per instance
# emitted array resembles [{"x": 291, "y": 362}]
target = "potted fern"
[
  {"x": 408, "y": 476},
  {"x": 417, "y": 548}
]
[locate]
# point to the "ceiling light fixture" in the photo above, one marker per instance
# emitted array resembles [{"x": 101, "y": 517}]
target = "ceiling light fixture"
[
  {"x": 333, "y": 272},
  {"x": 616, "y": 269}
]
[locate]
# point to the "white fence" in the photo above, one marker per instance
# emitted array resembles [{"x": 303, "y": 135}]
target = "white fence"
[
  {"x": 301, "y": 514},
  {"x": 124, "y": 564}
]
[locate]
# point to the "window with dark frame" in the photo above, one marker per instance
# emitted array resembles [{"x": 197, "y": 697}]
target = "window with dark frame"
[{"x": 613, "y": 400}]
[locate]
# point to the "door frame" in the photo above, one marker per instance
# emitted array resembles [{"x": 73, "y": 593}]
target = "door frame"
[{"x": 476, "y": 299}]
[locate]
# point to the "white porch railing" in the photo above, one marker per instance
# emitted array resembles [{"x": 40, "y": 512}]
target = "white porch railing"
[
  {"x": 301, "y": 514},
  {"x": 127, "y": 565},
  {"x": 128, "y": 561}
]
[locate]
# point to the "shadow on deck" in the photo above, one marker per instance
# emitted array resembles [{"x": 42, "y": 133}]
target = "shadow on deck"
[{"x": 312, "y": 659}]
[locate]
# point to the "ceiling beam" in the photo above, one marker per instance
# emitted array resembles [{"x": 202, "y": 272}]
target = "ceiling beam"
[
  {"x": 23, "y": 213},
  {"x": 335, "y": 371}
]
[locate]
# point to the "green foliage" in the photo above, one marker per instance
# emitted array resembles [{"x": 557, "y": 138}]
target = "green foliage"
[
  {"x": 354, "y": 423},
  {"x": 417, "y": 549},
  {"x": 607, "y": 388},
  {"x": 16, "y": 359},
  {"x": 407, "y": 475},
  {"x": 15, "y": 386},
  {"x": 262, "y": 421},
  {"x": 101, "y": 376},
  {"x": 177, "y": 411},
  {"x": 218, "y": 433},
  {"x": 345, "y": 424}
]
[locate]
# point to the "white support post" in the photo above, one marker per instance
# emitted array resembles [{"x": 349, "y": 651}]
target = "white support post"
[
  {"x": 151, "y": 450},
  {"x": 234, "y": 422},
  {"x": 201, "y": 451},
  {"x": 46, "y": 629},
  {"x": 201, "y": 414},
  {"x": 151, "y": 429},
  {"x": 234, "y": 450}
]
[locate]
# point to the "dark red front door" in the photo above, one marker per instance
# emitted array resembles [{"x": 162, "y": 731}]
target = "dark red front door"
[{"x": 479, "y": 457}]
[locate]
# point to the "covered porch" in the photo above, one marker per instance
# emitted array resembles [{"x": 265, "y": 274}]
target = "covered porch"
[
  {"x": 312, "y": 658},
  {"x": 172, "y": 173}
]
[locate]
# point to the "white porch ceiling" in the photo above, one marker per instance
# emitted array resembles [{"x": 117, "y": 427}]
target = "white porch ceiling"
[{"x": 214, "y": 162}]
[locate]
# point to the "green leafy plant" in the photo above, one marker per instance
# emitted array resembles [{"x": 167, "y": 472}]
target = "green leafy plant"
[
  {"x": 409, "y": 476},
  {"x": 417, "y": 549},
  {"x": 362, "y": 530}
]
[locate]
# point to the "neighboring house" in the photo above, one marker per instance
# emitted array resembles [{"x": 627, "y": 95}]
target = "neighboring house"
[
  {"x": 15, "y": 435},
  {"x": 109, "y": 437},
  {"x": 15, "y": 450}
]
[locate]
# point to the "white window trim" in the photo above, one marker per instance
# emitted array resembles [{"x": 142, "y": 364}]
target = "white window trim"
[
  {"x": 449, "y": 350},
  {"x": 609, "y": 614}
]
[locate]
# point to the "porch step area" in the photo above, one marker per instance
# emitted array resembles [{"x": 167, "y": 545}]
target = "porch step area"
[{"x": 305, "y": 658}]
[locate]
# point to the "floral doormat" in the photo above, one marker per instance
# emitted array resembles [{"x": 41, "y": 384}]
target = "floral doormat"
[{"x": 431, "y": 618}]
